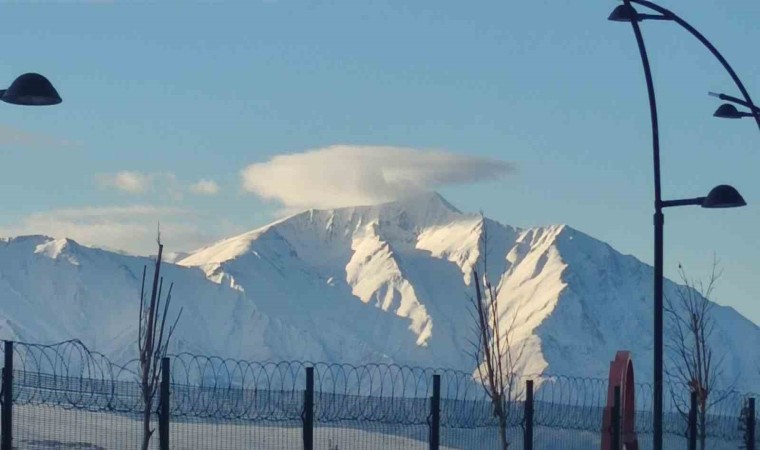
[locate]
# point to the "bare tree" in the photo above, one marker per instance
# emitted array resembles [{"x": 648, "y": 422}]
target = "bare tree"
[
  {"x": 693, "y": 362},
  {"x": 153, "y": 340},
  {"x": 495, "y": 354}
]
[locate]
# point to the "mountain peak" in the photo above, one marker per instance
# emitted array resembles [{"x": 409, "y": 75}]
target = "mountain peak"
[
  {"x": 418, "y": 210},
  {"x": 425, "y": 200},
  {"x": 412, "y": 213}
]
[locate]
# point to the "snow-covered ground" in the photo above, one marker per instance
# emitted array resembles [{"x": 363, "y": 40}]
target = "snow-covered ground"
[
  {"x": 45, "y": 428},
  {"x": 42, "y": 427}
]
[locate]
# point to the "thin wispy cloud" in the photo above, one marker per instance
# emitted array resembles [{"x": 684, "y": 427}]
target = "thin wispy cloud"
[
  {"x": 204, "y": 187},
  {"x": 10, "y": 136},
  {"x": 346, "y": 175},
  {"x": 127, "y": 181},
  {"x": 129, "y": 228},
  {"x": 162, "y": 184}
]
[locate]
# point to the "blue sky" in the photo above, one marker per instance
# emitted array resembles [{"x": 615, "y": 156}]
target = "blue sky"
[{"x": 159, "y": 96}]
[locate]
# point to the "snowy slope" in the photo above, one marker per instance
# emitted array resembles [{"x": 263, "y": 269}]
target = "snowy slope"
[
  {"x": 397, "y": 277},
  {"x": 54, "y": 290},
  {"x": 383, "y": 283}
]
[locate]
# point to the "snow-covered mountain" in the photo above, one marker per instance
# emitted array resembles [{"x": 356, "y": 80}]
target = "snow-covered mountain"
[{"x": 384, "y": 283}]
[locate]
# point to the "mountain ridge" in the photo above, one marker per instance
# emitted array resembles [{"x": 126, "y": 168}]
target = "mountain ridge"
[{"x": 379, "y": 283}]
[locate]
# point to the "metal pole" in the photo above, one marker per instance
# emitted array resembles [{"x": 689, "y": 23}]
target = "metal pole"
[
  {"x": 659, "y": 222},
  {"x": 308, "y": 411},
  {"x": 6, "y": 428},
  {"x": 163, "y": 415},
  {"x": 693, "y": 421},
  {"x": 751, "y": 444},
  {"x": 435, "y": 414},
  {"x": 658, "y": 328},
  {"x": 528, "y": 436}
]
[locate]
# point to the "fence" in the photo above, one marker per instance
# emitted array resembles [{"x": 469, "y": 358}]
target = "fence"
[{"x": 65, "y": 396}]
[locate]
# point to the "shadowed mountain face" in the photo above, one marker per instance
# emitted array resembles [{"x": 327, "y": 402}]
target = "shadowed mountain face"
[{"x": 385, "y": 283}]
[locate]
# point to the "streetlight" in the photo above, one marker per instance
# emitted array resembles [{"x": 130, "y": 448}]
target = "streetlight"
[
  {"x": 31, "y": 89},
  {"x": 627, "y": 13},
  {"x": 729, "y": 111},
  {"x": 722, "y": 196}
]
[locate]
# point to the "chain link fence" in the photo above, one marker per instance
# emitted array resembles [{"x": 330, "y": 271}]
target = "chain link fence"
[{"x": 64, "y": 396}]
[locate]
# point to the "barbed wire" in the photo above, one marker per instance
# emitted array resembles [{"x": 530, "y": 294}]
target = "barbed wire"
[
  {"x": 69, "y": 375},
  {"x": 69, "y": 359}
]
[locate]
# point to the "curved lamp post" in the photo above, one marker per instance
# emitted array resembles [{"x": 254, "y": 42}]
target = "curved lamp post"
[
  {"x": 627, "y": 13},
  {"x": 31, "y": 89},
  {"x": 722, "y": 196}
]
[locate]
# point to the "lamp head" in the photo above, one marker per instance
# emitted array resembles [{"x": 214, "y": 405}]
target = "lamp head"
[
  {"x": 624, "y": 13},
  {"x": 729, "y": 111},
  {"x": 31, "y": 89},
  {"x": 723, "y": 196}
]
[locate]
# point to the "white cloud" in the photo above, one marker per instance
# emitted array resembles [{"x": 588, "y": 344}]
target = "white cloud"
[
  {"x": 129, "y": 228},
  {"x": 161, "y": 184},
  {"x": 205, "y": 187},
  {"x": 344, "y": 175},
  {"x": 127, "y": 181}
]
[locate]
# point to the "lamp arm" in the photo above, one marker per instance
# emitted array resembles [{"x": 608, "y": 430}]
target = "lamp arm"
[
  {"x": 683, "y": 202},
  {"x": 729, "y": 98},
  {"x": 709, "y": 46}
]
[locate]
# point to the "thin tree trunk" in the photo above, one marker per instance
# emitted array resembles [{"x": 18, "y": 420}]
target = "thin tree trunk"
[
  {"x": 503, "y": 432},
  {"x": 702, "y": 430},
  {"x": 146, "y": 423},
  {"x": 501, "y": 416}
]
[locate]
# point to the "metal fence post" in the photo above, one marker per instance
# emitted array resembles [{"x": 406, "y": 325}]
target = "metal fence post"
[
  {"x": 308, "y": 411},
  {"x": 693, "y": 421},
  {"x": 6, "y": 427},
  {"x": 163, "y": 413},
  {"x": 435, "y": 414},
  {"x": 751, "y": 443},
  {"x": 528, "y": 436},
  {"x": 616, "y": 420}
]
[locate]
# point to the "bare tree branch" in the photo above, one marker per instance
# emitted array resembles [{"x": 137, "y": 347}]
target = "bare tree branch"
[
  {"x": 494, "y": 352},
  {"x": 692, "y": 361},
  {"x": 152, "y": 342}
]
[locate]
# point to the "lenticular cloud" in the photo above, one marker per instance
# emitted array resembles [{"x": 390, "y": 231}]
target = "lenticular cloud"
[{"x": 343, "y": 175}]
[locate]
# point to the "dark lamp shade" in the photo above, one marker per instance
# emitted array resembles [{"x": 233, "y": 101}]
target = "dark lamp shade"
[
  {"x": 728, "y": 111},
  {"x": 31, "y": 89},
  {"x": 624, "y": 13},
  {"x": 723, "y": 196}
]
